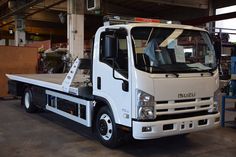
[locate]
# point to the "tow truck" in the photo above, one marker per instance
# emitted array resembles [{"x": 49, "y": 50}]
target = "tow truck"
[{"x": 148, "y": 79}]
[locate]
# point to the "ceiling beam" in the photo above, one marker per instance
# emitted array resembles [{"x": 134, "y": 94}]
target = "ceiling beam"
[
  {"x": 116, "y": 8},
  {"x": 46, "y": 16},
  {"x": 60, "y": 7},
  {"x": 36, "y": 23},
  {"x": 35, "y": 12},
  {"x": 20, "y": 9},
  {"x": 46, "y": 30},
  {"x": 200, "y": 4},
  {"x": 3, "y": 2},
  {"x": 42, "y": 30},
  {"x": 203, "y": 20},
  {"x": 224, "y": 3},
  {"x": 45, "y": 8}
]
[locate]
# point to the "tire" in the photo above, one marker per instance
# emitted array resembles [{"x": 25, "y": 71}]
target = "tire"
[
  {"x": 106, "y": 129},
  {"x": 27, "y": 101}
]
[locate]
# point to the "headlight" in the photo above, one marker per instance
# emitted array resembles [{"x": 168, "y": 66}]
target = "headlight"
[
  {"x": 145, "y": 106},
  {"x": 145, "y": 113},
  {"x": 215, "y": 106}
]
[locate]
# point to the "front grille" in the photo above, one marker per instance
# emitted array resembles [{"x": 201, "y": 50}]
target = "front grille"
[
  {"x": 187, "y": 100},
  {"x": 205, "y": 106},
  {"x": 162, "y": 102},
  {"x": 207, "y": 98},
  {"x": 183, "y": 106},
  {"x": 183, "y": 115},
  {"x": 162, "y": 110}
]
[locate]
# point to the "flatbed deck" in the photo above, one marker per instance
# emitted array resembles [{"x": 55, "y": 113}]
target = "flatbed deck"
[{"x": 53, "y": 81}]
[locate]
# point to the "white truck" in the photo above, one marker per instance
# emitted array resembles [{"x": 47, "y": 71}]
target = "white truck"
[{"x": 148, "y": 79}]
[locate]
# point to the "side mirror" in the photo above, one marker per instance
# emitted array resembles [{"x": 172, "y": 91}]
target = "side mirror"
[
  {"x": 110, "y": 46},
  {"x": 125, "y": 86}
]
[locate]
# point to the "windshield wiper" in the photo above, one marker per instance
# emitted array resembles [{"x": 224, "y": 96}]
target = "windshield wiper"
[
  {"x": 162, "y": 70},
  {"x": 209, "y": 71},
  {"x": 202, "y": 70},
  {"x": 176, "y": 74}
]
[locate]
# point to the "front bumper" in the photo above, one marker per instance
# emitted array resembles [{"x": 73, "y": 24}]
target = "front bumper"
[{"x": 174, "y": 126}]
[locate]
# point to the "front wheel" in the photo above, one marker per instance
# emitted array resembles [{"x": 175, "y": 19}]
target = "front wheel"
[{"x": 106, "y": 129}]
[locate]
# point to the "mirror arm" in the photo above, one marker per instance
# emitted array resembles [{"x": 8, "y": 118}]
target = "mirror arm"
[
  {"x": 113, "y": 71},
  {"x": 125, "y": 84}
]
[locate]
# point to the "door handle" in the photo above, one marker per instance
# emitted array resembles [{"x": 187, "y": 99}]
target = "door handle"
[{"x": 99, "y": 83}]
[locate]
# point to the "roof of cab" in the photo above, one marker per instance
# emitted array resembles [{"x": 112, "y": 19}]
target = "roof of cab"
[{"x": 161, "y": 25}]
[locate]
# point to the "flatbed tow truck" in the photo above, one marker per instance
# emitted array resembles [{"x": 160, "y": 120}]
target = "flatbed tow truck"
[{"x": 148, "y": 79}]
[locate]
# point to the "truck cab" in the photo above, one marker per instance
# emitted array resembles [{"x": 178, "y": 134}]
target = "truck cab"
[{"x": 158, "y": 79}]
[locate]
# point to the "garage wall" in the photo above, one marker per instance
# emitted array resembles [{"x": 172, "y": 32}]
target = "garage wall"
[{"x": 16, "y": 60}]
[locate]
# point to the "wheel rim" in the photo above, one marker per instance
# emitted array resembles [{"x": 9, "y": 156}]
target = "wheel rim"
[
  {"x": 27, "y": 100},
  {"x": 105, "y": 127}
]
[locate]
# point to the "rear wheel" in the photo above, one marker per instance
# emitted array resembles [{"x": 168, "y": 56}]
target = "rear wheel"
[
  {"x": 106, "y": 129},
  {"x": 27, "y": 101}
]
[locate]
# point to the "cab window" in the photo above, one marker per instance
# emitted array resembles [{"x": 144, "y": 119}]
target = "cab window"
[{"x": 121, "y": 60}]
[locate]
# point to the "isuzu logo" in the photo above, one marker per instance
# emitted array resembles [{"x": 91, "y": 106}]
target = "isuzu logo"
[{"x": 186, "y": 95}]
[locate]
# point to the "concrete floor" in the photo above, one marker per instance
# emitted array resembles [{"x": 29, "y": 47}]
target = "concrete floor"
[{"x": 48, "y": 135}]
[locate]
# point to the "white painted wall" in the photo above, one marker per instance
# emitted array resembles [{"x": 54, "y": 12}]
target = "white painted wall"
[
  {"x": 2, "y": 42},
  {"x": 11, "y": 42}
]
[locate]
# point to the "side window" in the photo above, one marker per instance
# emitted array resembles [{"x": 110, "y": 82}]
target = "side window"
[{"x": 121, "y": 60}]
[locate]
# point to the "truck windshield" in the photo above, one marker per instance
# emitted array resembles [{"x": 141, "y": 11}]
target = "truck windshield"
[{"x": 161, "y": 50}]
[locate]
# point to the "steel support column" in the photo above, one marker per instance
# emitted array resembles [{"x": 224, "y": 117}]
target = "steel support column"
[
  {"x": 212, "y": 12},
  {"x": 20, "y": 36},
  {"x": 75, "y": 27}
]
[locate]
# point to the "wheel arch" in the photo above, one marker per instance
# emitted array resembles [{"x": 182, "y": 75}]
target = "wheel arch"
[{"x": 101, "y": 102}]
